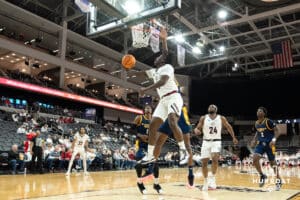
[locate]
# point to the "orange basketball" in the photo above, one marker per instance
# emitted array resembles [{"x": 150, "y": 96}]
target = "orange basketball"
[{"x": 128, "y": 61}]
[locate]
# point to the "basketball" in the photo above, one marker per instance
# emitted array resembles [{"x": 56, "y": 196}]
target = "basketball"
[{"x": 128, "y": 61}]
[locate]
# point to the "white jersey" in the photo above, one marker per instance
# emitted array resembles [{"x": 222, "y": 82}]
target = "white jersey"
[
  {"x": 212, "y": 127},
  {"x": 80, "y": 140},
  {"x": 171, "y": 84}
]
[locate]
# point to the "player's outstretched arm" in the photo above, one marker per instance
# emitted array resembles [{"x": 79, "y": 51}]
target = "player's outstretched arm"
[
  {"x": 198, "y": 129},
  {"x": 163, "y": 80},
  {"x": 229, "y": 129}
]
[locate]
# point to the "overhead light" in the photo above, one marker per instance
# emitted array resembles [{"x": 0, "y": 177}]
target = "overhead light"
[
  {"x": 196, "y": 50},
  {"x": 73, "y": 76},
  {"x": 132, "y": 7},
  {"x": 79, "y": 58},
  {"x": 23, "y": 57},
  {"x": 13, "y": 54},
  {"x": 79, "y": 74},
  {"x": 1, "y": 58},
  {"x": 66, "y": 73},
  {"x": 222, "y": 14},
  {"x": 200, "y": 43},
  {"x": 94, "y": 79},
  {"x": 23, "y": 70},
  {"x": 221, "y": 48},
  {"x": 18, "y": 59},
  {"x": 7, "y": 56},
  {"x": 179, "y": 38},
  {"x": 77, "y": 85},
  {"x": 12, "y": 61},
  {"x": 45, "y": 64},
  {"x": 67, "y": 77},
  {"x": 72, "y": 72}
]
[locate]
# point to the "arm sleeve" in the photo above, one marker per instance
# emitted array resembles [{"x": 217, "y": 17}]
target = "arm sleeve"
[
  {"x": 167, "y": 70},
  {"x": 270, "y": 124}
]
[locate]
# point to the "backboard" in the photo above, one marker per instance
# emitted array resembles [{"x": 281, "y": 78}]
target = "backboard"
[{"x": 109, "y": 15}]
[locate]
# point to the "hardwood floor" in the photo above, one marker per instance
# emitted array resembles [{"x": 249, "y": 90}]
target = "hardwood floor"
[{"x": 122, "y": 185}]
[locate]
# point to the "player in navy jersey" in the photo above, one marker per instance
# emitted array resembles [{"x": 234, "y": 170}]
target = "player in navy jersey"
[
  {"x": 142, "y": 128},
  {"x": 163, "y": 133},
  {"x": 265, "y": 138}
]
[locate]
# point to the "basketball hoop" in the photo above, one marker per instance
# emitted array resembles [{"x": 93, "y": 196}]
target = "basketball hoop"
[{"x": 140, "y": 35}]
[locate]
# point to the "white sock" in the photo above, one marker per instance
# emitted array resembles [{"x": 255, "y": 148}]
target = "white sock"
[
  {"x": 150, "y": 150},
  {"x": 181, "y": 145},
  {"x": 156, "y": 181}
]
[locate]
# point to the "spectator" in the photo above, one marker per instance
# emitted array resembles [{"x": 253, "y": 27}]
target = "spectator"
[
  {"x": 65, "y": 158},
  {"x": 15, "y": 159},
  {"x": 22, "y": 129},
  {"x": 53, "y": 158},
  {"x": 44, "y": 129},
  {"x": 118, "y": 158},
  {"x": 168, "y": 159}
]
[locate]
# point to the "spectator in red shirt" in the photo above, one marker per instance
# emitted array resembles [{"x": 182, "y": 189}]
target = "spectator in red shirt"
[{"x": 65, "y": 157}]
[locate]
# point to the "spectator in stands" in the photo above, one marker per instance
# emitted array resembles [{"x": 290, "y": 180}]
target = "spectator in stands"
[
  {"x": 36, "y": 150},
  {"x": 107, "y": 158},
  {"x": 15, "y": 159},
  {"x": 65, "y": 157},
  {"x": 131, "y": 158},
  {"x": 44, "y": 129},
  {"x": 168, "y": 159},
  {"x": 53, "y": 158},
  {"x": 118, "y": 159},
  {"x": 22, "y": 129}
]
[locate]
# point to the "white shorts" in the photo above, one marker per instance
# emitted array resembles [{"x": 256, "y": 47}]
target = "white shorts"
[
  {"x": 80, "y": 151},
  {"x": 169, "y": 104},
  {"x": 209, "y": 147}
]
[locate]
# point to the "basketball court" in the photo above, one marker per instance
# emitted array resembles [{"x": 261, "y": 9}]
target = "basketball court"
[
  {"x": 210, "y": 47},
  {"x": 122, "y": 185}
]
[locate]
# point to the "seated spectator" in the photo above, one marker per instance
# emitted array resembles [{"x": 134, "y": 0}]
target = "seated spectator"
[
  {"x": 22, "y": 129},
  {"x": 15, "y": 159},
  {"x": 107, "y": 158},
  {"x": 53, "y": 158},
  {"x": 44, "y": 129},
  {"x": 118, "y": 159},
  {"x": 65, "y": 158},
  {"x": 168, "y": 159}
]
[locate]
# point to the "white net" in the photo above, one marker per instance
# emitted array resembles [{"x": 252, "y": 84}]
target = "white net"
[{"x": 140, "y": 35}]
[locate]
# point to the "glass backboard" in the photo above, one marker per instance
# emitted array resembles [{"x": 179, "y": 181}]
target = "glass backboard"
[{"x": 109, "y": 15}]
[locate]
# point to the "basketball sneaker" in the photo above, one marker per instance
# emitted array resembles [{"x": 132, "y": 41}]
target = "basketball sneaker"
[
  {"x": 183, "y": 156},
  {"x": 190, "y": 184},
  {"x": 185, "y": 159},
  {"x": 205, "y": 185},
  {"x": 67, "y": 174},
  {"x": 86, "y": 173},
  {"x": 262, "y": 180},
  {"x": 157, "y": 188},
  {"x": 146, "y": 160},
  {"x": 278, "y": 184},
  {"x": 212, "y": 183},
  {"x": 142, "y": 188}
]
